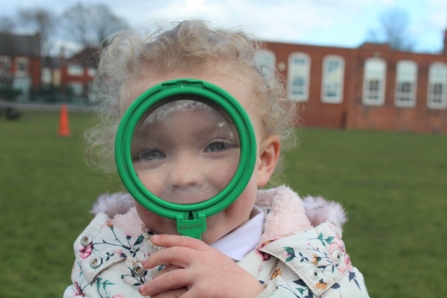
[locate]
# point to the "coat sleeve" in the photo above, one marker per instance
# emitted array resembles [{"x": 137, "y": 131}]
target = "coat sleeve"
[
  {"x": 96, "y": 271},
  {"x": 107, "y": 262},
  {"x": 281, "y": 288},
  {"x": 313, "y": 264},
  {"x": 106, "y": 283}
]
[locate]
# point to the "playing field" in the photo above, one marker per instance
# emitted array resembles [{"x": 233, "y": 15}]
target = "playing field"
[{"x": 393, "y": 186}]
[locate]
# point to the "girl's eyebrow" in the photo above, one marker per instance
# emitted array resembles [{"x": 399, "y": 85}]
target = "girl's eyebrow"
[{"x": 205, "y": 126}]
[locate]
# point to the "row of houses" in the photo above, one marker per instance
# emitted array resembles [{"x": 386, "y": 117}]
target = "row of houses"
[
  {"x": 22, "y": 68},
  {"x": 368, "y": 87}
]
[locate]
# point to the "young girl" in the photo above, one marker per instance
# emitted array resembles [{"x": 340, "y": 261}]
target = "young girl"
[{"x": 268, "y": 243}]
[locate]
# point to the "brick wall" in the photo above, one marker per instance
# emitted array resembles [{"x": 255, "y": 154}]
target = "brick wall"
[{"x": 351, "y": 113}]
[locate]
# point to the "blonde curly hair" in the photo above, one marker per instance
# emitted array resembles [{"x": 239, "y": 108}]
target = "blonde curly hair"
[{"x": 190, "y": 47}]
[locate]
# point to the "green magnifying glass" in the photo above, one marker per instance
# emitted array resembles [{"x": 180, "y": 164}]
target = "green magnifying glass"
[{"x": 185, "y": 149}]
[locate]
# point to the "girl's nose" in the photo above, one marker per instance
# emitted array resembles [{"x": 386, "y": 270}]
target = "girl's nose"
[{"x": 185, "y": 174}]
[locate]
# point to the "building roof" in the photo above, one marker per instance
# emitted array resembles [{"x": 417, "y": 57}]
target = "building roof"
[
  {"x": 19, "y": 45},
  {"x": 50, "y": 62},
  {"x": 87, "y": 57}
]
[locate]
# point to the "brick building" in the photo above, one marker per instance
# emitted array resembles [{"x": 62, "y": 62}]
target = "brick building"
[
  {"x": 20, "y": 63},
  {"x": 78, "y": 71},
  {"x": 22, "y": 68},
  {"x": 369, "y": 87}
]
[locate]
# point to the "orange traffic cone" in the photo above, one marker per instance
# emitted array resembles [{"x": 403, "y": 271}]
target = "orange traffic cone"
[{"x": 64, "y": 128}]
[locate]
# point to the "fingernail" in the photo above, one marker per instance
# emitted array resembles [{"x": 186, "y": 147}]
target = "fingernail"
[{"x": 155, "y": 237}]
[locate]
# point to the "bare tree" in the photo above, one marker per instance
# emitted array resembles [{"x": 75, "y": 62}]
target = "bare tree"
[
  {"x": 393, "y": 30},
  {"x": 42, "y": 21},
  {"x": 6, "y": 24},
  {"x": 91, "y": 25}
]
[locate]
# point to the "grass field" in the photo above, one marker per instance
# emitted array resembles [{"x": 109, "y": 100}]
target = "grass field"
[{"x": 393, "y": 186}]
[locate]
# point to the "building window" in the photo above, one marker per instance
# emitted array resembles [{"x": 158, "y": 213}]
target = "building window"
[
  {"x": 23, "y": 84},
  {"x": 46, "y": 75},
  {"x": 333, "y": 76},
  {"x": 374, "y": 81},
  {"x": 91, "y": 71},
  {"x": 298, "y": 77},
  {"x": 437, "y": 78},
  {"x": 5, "y": 65},
  {"x": 265, "y": 63},
  {"x": 406, "y": 79},
  {"x": 56, "y": 77},
  {"x": 77, "y": 88},
  {"x": 22, "y": 66},
  {"x": 75, "y": 70}
]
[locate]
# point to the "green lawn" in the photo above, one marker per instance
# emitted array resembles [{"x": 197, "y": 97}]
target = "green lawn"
[{"x": 393, "y": 186}]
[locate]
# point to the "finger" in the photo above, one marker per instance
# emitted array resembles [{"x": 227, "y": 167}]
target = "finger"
[
  {"x": 172, "y": 280},
  {"x": 166, "y": 269},
  {"x": 177, "y": 240},
  {"x": 177, "y": 256},
  {"x": 171, "y": 293},
  {"x": 194, "y": 293}
]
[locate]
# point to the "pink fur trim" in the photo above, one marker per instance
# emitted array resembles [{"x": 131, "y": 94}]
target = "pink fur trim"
[
  {"x": 116, "y": 203},
  {"x": 130, "y": 222},
  {"x": 319, "y": 211},
  {"x": 286, "y": 212},
  {"x": 286, "y": 215}
]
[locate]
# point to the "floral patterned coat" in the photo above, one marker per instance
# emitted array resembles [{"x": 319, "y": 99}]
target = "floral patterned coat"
[{"x": 307, "y": 264}]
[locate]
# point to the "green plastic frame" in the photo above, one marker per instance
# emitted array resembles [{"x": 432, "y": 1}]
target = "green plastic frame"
[{"x": 191, "y": 218}]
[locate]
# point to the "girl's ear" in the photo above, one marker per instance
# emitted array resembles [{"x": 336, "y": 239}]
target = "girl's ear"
[{"x": 267, "y": 159}]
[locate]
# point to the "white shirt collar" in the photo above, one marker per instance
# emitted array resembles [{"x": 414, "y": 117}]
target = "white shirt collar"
[{"x": 244, "y": 239}]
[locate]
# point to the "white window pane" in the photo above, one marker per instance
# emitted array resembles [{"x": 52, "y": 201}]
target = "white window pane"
[
  {"x": 265, "y": 62},
  {"x": 374, "y": 81},
  {"x": 46, "y": 76},
  {"x": 437, "y": 77},
  {"x": 75, "y": 70},
  {"x": 21, "y": 66},
  {"x": 91, "y": 71},
  {"x": 5, "y": 64},
  {"x": 333, "y": 76},
  {"x": 298, "y": 76},
  {"x": 76, "y": 87},
  {"x": 406, "y": 80}
]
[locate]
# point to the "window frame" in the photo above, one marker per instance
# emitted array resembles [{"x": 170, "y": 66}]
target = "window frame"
[
  {"x": 77, "y": 73},
  {"x": 430, "y": 103},
  {"x": 266, "y": 70},
  {"x": 25, "y": 62},
  {"x": 291, "y": 69},
  {"x": 5, "y": 64},
  {"x": 413, "y": 85},
  {"x": 91, "y": 71},
  {"x": 75, "y": 83},
  {"x": 366, "y": 100},
  {"x": 339, "y": 98},
  {"x": 46, "y": 75}
]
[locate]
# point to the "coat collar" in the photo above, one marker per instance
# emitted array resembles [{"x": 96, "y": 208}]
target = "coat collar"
[{"x": 285, "y": 212}]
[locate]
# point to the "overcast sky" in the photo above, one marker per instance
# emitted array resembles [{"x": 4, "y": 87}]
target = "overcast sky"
[{"x": 321, "y": 22}]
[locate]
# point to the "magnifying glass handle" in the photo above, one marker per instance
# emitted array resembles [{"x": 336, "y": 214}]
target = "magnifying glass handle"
[{"x": 191, "y": 224}]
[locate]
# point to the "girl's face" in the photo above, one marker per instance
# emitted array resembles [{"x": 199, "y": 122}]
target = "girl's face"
[
  {"x": 186, "y": 160},
  {"x": 185, "y": 152}
]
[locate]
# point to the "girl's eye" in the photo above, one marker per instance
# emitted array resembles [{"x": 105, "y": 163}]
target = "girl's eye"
[
  {"x": 149, "y": 155},
  {"x": 217, "y": 146}
]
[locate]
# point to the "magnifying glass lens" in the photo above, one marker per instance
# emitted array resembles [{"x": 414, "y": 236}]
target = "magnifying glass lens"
[{"x": 185, "y": 151}]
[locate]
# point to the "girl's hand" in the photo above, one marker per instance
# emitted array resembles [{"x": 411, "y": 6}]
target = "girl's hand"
[
  {"x": 170, "y": 293},
  {"x": 194, "y": 269}
]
